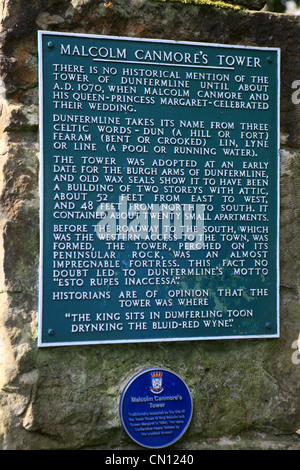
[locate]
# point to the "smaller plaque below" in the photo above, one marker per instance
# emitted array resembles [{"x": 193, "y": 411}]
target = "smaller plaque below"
[{"x": 156, "y": 408}]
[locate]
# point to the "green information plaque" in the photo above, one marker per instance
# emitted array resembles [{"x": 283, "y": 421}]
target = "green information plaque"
[{"x": 159, "y": 190}]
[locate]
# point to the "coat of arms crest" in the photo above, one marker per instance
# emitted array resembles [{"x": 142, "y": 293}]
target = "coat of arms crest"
[{"x": 157, "y": 382}]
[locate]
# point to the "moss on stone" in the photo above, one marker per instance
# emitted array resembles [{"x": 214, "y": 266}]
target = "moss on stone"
[{"x": 214, "y": 3}]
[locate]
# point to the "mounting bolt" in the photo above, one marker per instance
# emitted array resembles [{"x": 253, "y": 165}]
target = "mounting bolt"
[
  {"x": 269, "y": 60},
  {"x": 268, "y": 326},
  {"x": 50, "y": 332},
  {"x": 50, "y": 44}
]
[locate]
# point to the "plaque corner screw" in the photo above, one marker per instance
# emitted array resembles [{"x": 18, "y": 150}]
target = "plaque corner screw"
[
  {"x": 269, "y": 60},
  {"x": 268, "y": 326},
  {"x": 50, "y": 44},
  {"x": 50, "y": 332}
]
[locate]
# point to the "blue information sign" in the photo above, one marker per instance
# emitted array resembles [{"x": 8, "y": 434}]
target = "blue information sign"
[{"x": 156, "y": 408}]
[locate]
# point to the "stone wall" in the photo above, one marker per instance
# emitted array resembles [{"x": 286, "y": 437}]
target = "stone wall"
[{"x": 245, "y": 392}]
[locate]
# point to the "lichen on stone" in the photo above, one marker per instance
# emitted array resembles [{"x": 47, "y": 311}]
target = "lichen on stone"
[{"x": 214, "y": 3}]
